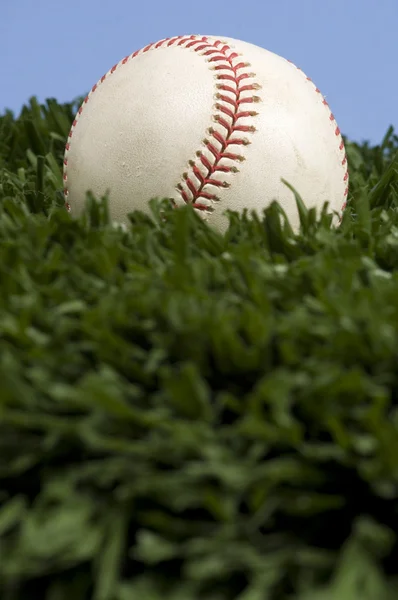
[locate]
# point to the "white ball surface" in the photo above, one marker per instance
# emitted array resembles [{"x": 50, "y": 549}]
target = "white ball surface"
[{"x": 213, "y": 122}]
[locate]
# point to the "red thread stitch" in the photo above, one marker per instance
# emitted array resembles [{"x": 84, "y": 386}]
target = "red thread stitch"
[
  {"x": 206, "y": 171},
  {"x": 197, "y": 186}
]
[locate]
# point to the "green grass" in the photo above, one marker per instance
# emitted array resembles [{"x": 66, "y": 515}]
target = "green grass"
[{"x": 191, "y": 416}]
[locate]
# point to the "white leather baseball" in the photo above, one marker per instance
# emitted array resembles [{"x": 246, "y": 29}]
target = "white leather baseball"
[{"x": 214, "y": 122}]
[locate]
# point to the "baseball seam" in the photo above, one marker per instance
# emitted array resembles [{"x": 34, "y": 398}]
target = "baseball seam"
[
  {"x": 233, "y": 116},
  {"x": 199, "y": 184}
]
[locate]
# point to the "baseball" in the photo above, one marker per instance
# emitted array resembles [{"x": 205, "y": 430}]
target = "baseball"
[{"x": 209, "y": 121}]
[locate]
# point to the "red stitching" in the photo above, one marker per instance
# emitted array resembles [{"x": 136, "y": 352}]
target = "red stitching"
[
  {"x": 228, "y": 116},
  {"x": 229, "y": 113}
]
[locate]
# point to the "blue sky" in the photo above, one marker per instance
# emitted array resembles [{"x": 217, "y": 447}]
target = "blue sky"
[{"x": 348, "y": 47}]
